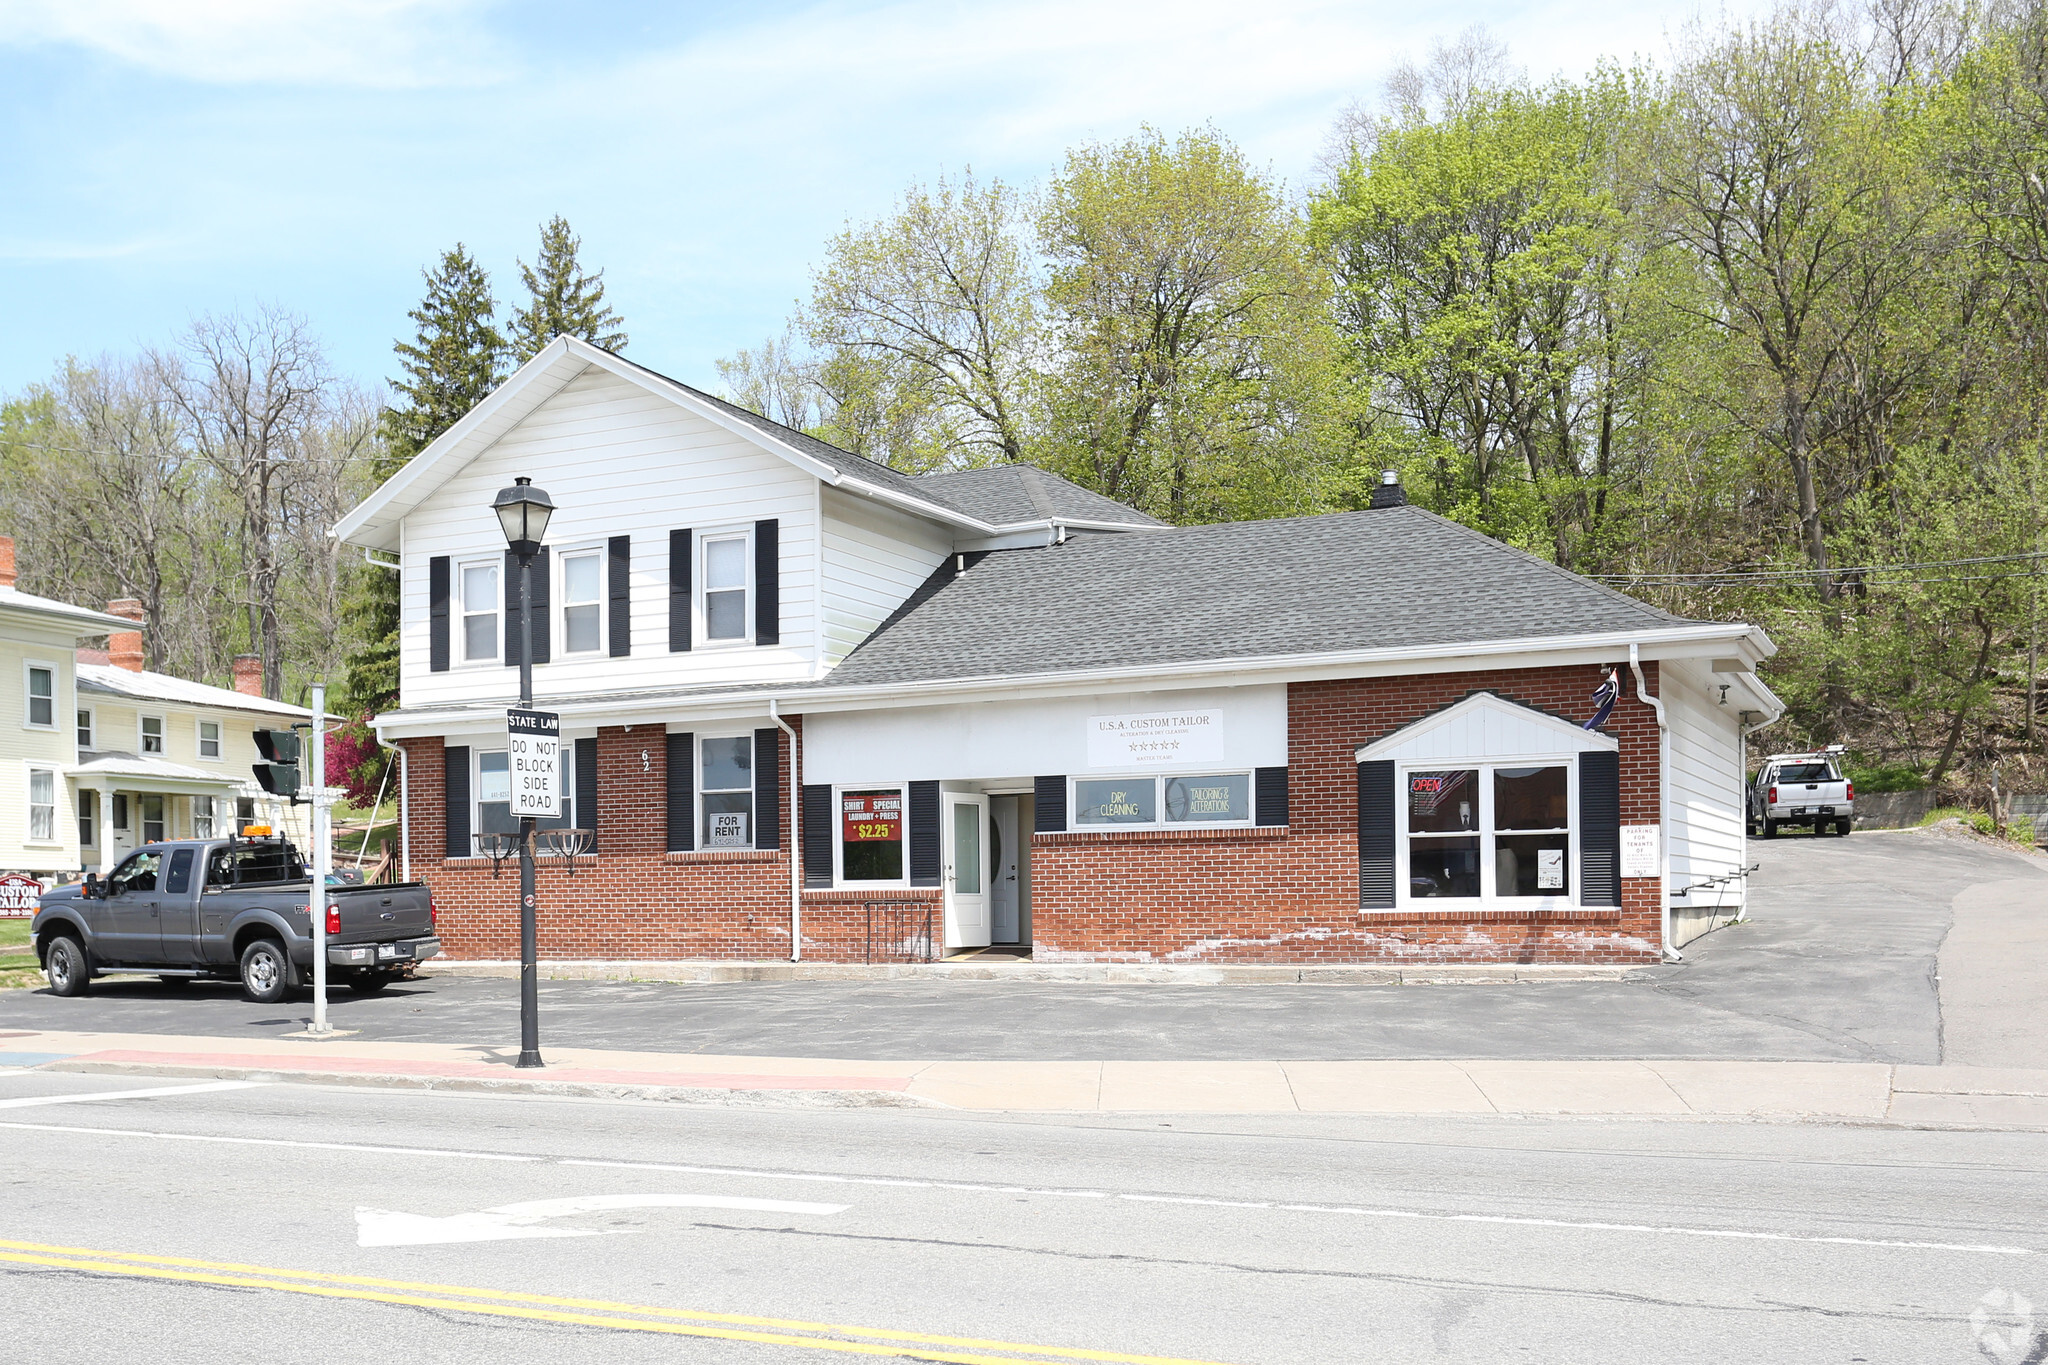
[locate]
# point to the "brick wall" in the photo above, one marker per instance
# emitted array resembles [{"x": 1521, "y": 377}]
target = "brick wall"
[
  {"x": 1257, "y": 896},
  {"x": 1198, "y": 896}
]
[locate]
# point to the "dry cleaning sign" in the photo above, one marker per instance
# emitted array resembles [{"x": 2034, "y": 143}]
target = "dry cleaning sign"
[{"x": 1162, "y": 737}]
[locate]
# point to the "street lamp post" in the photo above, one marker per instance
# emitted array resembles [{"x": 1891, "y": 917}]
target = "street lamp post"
[{"x": 523, "y": 512}]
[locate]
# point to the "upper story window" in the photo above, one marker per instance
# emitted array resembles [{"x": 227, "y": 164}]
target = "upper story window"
[
  {"x": 42, "y": 698},
  {"x": 728, "y": 583},
  {"x": 480, "y": 606},
  {"x": 85, "y": 728},
  {"x": 582, "y": 601},
  {"x": 152, "y": 734},
  {"x": 209, "y": 739}
]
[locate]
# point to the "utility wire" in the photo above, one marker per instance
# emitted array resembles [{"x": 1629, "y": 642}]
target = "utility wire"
[{"x": 1749, "y": 575}]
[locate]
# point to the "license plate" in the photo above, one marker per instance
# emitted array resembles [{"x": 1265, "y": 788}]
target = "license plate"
[
  {"x": 1799, "y": 810},
  {"x": 388, "y": 951},
  {"x": 1825, "y": 810}
]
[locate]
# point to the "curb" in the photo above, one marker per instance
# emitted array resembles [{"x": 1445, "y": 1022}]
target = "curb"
[
  {"x": 595, "y": 1090},
  {"x": 1114, "y": 974}
]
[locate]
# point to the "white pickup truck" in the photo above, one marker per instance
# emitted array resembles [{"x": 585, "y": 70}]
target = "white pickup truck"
[{"x": 1802, "y": 789}]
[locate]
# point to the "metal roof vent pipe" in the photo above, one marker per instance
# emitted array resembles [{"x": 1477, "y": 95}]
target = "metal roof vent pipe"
[{"x": 1388, "y": 492}]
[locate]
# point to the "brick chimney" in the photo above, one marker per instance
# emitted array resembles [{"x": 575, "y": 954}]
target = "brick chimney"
[
  {"x": 249, "y": 674},
  {"x": 7, "y": 574},
  {"x": 124, "y": 647}
]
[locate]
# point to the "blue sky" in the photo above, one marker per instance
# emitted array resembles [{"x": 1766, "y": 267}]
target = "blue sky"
[{"x": 160, "y": 160}]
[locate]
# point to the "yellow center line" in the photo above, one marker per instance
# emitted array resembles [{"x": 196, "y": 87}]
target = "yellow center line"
[{"x": 546, "y": 1308}]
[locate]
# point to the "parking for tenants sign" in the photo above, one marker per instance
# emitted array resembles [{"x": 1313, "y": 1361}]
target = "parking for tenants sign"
[
  {"x": 1639, "y": 850},
  {"x": 533, "y": 740},
  {"x": 1165, "y": 737}
]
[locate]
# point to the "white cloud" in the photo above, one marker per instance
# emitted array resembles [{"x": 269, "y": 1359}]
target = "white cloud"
[{"x": 378, "y": 43}]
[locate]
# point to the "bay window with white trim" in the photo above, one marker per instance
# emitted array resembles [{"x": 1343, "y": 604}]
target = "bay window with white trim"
[{"x": 1476, "y": 831}]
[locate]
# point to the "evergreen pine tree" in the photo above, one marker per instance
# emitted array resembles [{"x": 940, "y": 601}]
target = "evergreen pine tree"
[
  {"x": 457, "y": 356},
  {"x": 562, "y": 299}
]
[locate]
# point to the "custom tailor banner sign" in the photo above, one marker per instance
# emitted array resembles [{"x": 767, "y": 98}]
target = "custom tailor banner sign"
[
  {"x": 1162, "y": 737},
  {"x": 533, "y": 740},
  {"x": 18, "y": 896},
  {"x": 870, "y": 818}
]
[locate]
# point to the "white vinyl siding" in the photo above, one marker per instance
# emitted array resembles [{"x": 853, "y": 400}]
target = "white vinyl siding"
[
  {"x": 618, "y": 461},
  {"x": 1706, "y": 817},
  {"x": 875, "y": 558}
]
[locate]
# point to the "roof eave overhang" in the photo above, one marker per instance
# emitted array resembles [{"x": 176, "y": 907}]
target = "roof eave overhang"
[
  {"x": 1691, "y": 641},
  {"x": 84, "y": 619}
]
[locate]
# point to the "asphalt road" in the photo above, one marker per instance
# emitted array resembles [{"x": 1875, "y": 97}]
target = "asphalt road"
[
  {"x": 1839, "y": 964},
  {"x": 287, "y": 1223}
]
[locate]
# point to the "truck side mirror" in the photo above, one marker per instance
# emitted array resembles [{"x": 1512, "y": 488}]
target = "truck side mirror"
[{"x": 93, "y": 890}]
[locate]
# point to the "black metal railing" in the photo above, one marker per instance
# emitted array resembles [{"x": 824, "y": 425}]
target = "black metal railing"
[{"x": 899, "y": 931}]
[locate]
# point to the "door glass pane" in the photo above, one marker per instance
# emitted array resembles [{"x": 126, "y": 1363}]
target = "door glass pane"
[
  {"x": 1443, "y": 868},
  {"x": 137, "y": 874},
  {"x": 1532, "y": 864},
  {"x": 1443, "y": 802},
  {"x": 1529, "y": 798},
  {"x": 1116, "y": 801},
  {"x": 1209, "y": 800},
  {"x": 967, "y": 849},
  {"x": 871, "y": 835}
]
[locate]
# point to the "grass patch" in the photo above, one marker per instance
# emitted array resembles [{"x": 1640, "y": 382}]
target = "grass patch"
[
  {"x": 13, "y": 934},
  {"x": 1887, "y": 777},
  {"x": 2018, "y": 830}
]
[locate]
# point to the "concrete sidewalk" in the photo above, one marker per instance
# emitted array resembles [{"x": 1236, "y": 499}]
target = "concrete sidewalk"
[{"x": 1972, "y": 1097}]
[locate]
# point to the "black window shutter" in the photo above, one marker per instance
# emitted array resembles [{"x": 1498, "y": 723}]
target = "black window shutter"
[
  {"x": 817, "y": 834},
  {"x": 768, "y": 582},
  {"x": 768, "y": 788},
  {"x": 437, "y": 614},
  {"x": 1600, "y": 829},
  {"x": 682, "y": 793},
  {"x": 924, "y": 834},
  {"x": 586, "y": 787},
  {"x": 455, "y": 799},
  {"x": 1049, "y": 805},
  {"x": 1269, "y": 796},
  {"x": 621, "y": 574},
  {"x": 541, "y": 634},
  {"x": 1376, "y": 835},
  {"x": 678, "y": 591}
]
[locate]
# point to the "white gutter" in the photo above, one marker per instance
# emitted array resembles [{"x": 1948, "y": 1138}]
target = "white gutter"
[
  {"x": 1635, "y": 666},
  {"x": 796, "y": 840}
]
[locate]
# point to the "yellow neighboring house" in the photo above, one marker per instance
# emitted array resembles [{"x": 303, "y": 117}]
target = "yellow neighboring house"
[{"x": 99, "y": 756}]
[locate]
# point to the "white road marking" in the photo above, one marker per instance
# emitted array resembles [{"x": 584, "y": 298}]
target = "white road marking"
[
  {"x": 26, "y": 1101},
  {"x": 1675, "y": 1230},
  {"x": 384, "y": 1228}
]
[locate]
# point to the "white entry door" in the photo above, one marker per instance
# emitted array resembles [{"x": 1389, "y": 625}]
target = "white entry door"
[
  {"x": 966, "y": 879},
  {"x": 1003, "y": 869}
]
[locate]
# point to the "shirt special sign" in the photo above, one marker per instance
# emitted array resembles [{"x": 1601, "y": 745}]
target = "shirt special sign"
[{"x": 872, "y": 817}]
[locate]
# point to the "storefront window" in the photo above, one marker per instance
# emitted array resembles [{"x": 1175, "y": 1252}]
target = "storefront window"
[
  {"x": 1511, "y": 823},
  {"x": 728, "y": 787},
  {"x": 1116, "y": 801},
  {"x": 1220, "y": 800},
  {"x": 871, "y": 835}
]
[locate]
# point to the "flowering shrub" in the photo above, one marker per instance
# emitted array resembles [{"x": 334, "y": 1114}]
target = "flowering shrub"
[{"x": 355, "y": 761}]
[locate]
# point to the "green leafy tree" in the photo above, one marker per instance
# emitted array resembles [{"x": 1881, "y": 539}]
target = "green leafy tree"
[{"x": 562, "y": 300}]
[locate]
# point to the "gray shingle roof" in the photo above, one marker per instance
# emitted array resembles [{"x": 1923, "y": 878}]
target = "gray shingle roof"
[
  {"x": 1010, "y": 493},
  {"x": 1394, "y": 578}
]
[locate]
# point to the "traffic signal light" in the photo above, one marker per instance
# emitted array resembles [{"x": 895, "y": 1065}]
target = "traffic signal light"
[{"x": 279, "y": 775}]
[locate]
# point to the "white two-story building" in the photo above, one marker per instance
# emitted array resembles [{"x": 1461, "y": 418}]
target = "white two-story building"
[{"x": 811, "y": 706}]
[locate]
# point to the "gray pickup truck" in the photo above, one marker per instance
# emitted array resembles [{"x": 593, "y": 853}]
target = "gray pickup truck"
[{"x": 228, "y": 908}]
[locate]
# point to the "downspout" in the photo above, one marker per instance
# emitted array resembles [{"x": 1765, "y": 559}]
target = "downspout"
[
  {"x": 796, "y": 840},
  {"x": 1635, "y": 666}
]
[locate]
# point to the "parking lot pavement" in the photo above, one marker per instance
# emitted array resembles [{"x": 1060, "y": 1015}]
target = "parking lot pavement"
[{"x": 1838, "y": 964}]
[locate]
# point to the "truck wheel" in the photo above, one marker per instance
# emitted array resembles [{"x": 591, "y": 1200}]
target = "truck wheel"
[
  {"x": 369, "y": 983},
  {"x": 266, "y": 972},
  {"x": 64, "y": 962},
  {"x": 1770, "y": 829},
  {"x": 1841, "y": 829}
]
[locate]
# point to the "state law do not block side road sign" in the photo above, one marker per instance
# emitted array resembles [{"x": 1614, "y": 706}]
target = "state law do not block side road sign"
[{"x": 534, "y": 762}]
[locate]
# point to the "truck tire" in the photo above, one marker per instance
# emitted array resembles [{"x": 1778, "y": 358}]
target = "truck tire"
[
  {"x": 1841, "y": 829},
  {"x": 266, "y": 972},
  {"x": 65, "y": 963},
  {"x": 1770, "y": 829}
]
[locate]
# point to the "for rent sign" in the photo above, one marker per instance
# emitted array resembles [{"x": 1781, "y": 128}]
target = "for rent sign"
[
  {"x": 1161, "y": 738},
  {"x": 19, "y": 896},
  {"x": 533, "y": 740}
]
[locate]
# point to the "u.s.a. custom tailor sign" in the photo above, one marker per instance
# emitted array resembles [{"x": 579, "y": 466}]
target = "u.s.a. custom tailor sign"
[{"x": 1157, "y": 738}]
